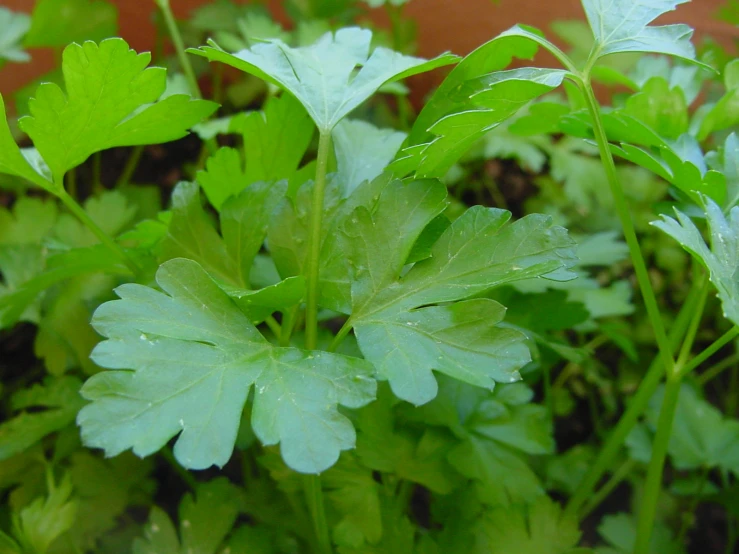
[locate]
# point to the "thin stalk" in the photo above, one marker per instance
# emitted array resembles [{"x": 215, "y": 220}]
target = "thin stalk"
[
  {"x": 314, "y": 497},
  {"x": 185, "y": 475},
  {"x": 102, "y": 236},
  {"x": 636, "y": 408},
  {"x": 650, "y": 496},
  {"x": 316, "y": 218},
  {"x": 716, "y": 369},
  {"x": 179, "y": 45},
  {"x": 605, "y": 491},
  {"x": 341, "y": 335},
  {"x": 717, "y": 345},
  {"x": 653, "y": 484},
  {"x": 274, "y": 327},
  {"x": 288, "y": 324},
  {"x": 132, "y": 163},
  {"x": 624, "y": 215}
]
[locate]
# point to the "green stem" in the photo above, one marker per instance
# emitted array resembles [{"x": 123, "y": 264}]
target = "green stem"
[
  {"x": 605, "y": 491},
  {"x": 102, "y": 236},
  {"x": 185, "y": 475},
  {"x": 622, "y": 208},
  {"x": 314, "y": 497},
  {"x": 130, "y": 168},
  {"x": 274, "y": 327},
  {"x": 717, "y": 345},
  {"x": 288, "y": 324},
  {"x": 650, "y": 495},
  {"x": 314, "y": 252},
  {"x": 636, "y": 408},
  {"x": 653, "y": 484},
  {"x": 715, "y": 370},
  {"x": 179, "y": 45},
  {"x": 341, "y": 335}
]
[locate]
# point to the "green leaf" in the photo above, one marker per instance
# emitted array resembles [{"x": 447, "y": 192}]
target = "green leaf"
[
  {"x": 111, "y": 100},
  {"x": 662, "y": 108},
  {"x": 223, "y": 176},
  {"x": 540, "y": 528},
  {"x": 619, "y": 531},
  {"x": 488, "y": 101},
  {"x": 363, "y": 151},
  {"x": 13, "y": 27},
  {"x": 725, "y": 113},
  {"x": 622, "y": 26},
  {"x": 195, "y": 357},
  {"x": 13, "y": 160},
  {"x": 419, "y": 457},
  {"x": 397, "y": 329},
  {"x": 205, "y": 520},
  {"x": 726, "y": 161},
  {"x": 60, "y": 401},
  {"x": 355, "y": 495},
  {"x": 104, "y": 489},
  {"x": 40, "y": 523},
  {"x": 270, "y": 155},
  {"x": 57, "y": 23},
  {"x": 324, "y": 76},
  {"x": 721, "y": 259},
  {"x": 491, "y": 56},
  {"x": 702, "y": 436}
]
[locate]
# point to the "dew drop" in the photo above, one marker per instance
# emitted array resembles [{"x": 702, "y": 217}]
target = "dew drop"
[
  {"x": 142, "y": 336},
  {"x": 186, "y": 523},
  {"x": 154, "y": 528},
  {"x": 182, "y": 423}
]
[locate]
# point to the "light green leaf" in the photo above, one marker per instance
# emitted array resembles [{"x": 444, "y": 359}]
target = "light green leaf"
[
  {"x": 269, "y": 155},
  {"x": 13, "y": 27},
  {"x": 488, "y": 101},
  {"x": 619, "y": 531},
  {"x": 205, "y": 520},
  {"x": 721, "y": 259},
  {"x": 662, "y": 108},
  {"x": 383, "y": 445},
  {"x": 195, "y": 357},
  {"x": 702, "y": 437},
  {"x": 14, "y": 161},
  {"x": 191, "y": 235},
  {"x": 244, "y": 222},
  {"x": 397, "y": 330},
  {"x": 324, "y": 76},
  {"x": 223, "y": 176},
  {"x": 258, "y": 304},
  {"x": 111, "y": 100},
  {"x": 540, "y": 528},
  {"x": 491, "y": 56},
  {"x": 61, "y": 22},
  {"x": 363, "y": 151},
  {"x": 725, "y": 113},
  {"x": 355, "y": 495},
  {"x": 622, "y": 26},
  {"x": 60, "y": 401},
  {"x": 39, "y": 524},
  {"x": 726, "y": 161}
]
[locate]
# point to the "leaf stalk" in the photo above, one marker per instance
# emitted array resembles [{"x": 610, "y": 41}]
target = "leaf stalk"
[{"x": 314, "y": 252}]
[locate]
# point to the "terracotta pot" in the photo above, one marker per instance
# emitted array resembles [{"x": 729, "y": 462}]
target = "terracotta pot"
[{"x": 456, "y": 25}]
